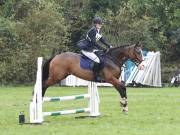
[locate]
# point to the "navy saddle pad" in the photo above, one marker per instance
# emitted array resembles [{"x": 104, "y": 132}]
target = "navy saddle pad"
[{"x": 86, "y": 63}]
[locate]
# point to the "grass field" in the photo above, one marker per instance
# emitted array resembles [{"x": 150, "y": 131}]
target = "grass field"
[{"x": 152, "y": 111}]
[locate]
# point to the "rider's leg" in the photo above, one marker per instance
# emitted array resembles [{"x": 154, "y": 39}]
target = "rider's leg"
[
  {"x": 91, "y": 56},
  {"x": 97, "y": 65}
]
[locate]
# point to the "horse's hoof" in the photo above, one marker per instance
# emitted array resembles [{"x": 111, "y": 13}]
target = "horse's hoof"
[
  {"x": 123, "y": 103},
  {"x": 125, "y": 110}
]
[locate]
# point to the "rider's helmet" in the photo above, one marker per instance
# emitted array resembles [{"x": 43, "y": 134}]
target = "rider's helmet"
[{"x": 97, "y": 20}]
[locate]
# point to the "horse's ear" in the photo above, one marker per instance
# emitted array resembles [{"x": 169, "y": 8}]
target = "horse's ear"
[{"x": 138, "y": 44}]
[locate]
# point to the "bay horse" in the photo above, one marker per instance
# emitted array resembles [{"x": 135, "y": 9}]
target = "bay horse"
[{"x": 60, "y": 66}]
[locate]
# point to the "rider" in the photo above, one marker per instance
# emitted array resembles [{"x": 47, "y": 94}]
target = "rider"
[{"x": 89, "y": 45}]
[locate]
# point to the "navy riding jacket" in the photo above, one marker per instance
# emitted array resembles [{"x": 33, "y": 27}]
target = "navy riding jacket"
[{"x": 89, "y": 43}]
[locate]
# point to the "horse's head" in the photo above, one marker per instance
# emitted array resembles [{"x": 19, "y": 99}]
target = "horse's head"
[
  {"x": 132, "y": 52},
  {"x": 135, "y": 53}
]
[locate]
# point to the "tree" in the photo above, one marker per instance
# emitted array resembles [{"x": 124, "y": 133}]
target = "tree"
[{"x": 41, "y": 31}]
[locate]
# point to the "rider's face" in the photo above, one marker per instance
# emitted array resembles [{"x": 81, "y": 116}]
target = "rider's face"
[{"x": 98, "y": 26}]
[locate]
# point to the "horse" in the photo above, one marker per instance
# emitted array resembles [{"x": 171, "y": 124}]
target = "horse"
[{"x": 61, "y": 65}]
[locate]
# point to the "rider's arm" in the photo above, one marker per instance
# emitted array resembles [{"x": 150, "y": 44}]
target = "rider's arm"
[{"x": 104, "y": 41}]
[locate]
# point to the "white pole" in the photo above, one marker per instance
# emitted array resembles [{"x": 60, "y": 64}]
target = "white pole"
[
  {"x": 94, "y": 99},
  {"x": 36, "y": 105}
]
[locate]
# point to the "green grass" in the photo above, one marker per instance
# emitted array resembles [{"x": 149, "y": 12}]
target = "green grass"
[{"x": 152, "y": 111}]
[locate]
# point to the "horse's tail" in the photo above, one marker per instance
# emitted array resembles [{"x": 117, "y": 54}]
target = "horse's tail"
[{"x": 45, "y": 69}]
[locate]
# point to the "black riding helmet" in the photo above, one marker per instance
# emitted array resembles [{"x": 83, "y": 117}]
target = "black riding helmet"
[{"x": 97, "y": 20}]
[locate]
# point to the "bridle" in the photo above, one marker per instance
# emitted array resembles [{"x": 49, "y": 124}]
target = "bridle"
[{"x": 136, "y": 61}]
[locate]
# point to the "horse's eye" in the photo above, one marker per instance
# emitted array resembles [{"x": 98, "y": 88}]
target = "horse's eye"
[{"x": 138, "y": 51}]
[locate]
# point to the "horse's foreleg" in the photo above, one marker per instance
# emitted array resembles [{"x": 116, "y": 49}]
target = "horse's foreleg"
[
  {"x": 124, "y": 101},
  {"x": 121, "y": 88}
]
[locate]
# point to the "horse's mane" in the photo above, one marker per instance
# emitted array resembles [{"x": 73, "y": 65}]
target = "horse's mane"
[
  {"x": 122, "y": 46},
  {"x": 119, "y": 48}
]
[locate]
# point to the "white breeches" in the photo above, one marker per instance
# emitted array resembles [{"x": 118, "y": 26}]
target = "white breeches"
[{"x": 91, "y": 55}]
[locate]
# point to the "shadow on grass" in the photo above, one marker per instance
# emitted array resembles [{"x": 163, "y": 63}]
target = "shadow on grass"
[
  {"x": 86, "y": 117},
  {"x": 28, "y": 123}
]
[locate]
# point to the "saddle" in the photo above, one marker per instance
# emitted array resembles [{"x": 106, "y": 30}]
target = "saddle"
[{"x": 88, "y": 64}]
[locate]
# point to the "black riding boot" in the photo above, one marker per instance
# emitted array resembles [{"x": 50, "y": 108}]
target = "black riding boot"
[{"x": 96, "y": 71}]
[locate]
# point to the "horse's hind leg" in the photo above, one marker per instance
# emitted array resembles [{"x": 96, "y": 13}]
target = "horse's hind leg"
[{"x": 51, "y": 81}]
